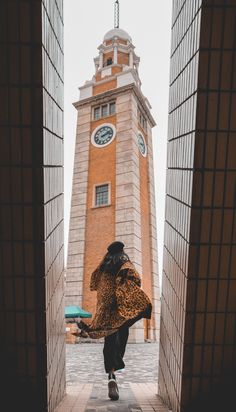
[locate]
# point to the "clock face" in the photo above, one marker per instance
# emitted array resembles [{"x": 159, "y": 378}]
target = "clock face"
[
  {"x": 142, "y": 145},
  {"x": 103, "y": 135}
]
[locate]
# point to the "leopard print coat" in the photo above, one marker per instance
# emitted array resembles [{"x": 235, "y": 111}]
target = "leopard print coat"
[{"x": 120, "y": 300}]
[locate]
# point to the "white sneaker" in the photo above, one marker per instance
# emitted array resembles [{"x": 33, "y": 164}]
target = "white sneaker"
[{"x": 113, "y": 391}]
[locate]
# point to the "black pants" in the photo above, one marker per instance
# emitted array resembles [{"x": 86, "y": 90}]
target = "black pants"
[
  {"x": 114, "y": 349},
  {"x": 115, "y": 344}
]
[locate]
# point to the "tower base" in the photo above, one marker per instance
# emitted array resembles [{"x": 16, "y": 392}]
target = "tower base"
[{"x": 136, "y": 332}]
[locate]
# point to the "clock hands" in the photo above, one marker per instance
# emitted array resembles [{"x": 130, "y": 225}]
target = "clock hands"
[{"x": 104, "y": 133}]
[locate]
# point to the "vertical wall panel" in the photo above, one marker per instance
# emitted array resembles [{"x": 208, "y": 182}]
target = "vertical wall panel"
[
  {"x": 31, "y": 205},
  {"x": 52, "y": 82},
  {"x": 197, "y": 354}
]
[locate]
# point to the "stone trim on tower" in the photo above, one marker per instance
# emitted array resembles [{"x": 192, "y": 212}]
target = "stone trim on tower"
[
  {"x": 153, "y": 240},
  {"x": 128, "y": 213},
  {"x": 76, "y": 246},
  {"x": 99, "y": 98}
]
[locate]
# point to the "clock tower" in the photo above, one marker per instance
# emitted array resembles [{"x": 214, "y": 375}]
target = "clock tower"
[{"x": 113, "y": 183}]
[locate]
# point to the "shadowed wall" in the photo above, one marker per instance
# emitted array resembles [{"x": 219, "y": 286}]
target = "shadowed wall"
[
  {"x": 198, "y": 321},
  {"x": 32, "y": 359}
]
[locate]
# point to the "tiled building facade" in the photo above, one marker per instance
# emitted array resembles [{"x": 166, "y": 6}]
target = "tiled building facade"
[
  {"x": 32, "y": 359},
  {"x": 198, "y": 315}
]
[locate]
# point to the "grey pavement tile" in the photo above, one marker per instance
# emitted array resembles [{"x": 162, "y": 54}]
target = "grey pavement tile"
[{"x": 85, "y": 363}]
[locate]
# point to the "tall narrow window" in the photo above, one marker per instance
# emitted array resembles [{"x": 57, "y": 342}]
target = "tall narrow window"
[
  {"x": 112, "y": 108},
  {"x": 109, "y": 61},
  {"x": 102, "y": 195},
  {"x": 104, "y": 110},
  {"x": 142, "y": 120},
  {"x": 97, "y": 113}
]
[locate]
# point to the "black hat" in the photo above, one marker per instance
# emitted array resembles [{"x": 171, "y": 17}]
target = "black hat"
[{"x": 115, "y": 247}]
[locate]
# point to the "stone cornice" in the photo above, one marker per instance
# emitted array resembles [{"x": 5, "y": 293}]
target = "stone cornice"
[
  {"x": 102, "y": 97},
  {"x": 124, "y": 47},
  {"x": 98, "y": 83}
]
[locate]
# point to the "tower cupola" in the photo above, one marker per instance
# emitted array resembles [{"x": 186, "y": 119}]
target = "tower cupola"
[
  {"x": 117, "y": 62},
  {"x": 117, "y": 49}
]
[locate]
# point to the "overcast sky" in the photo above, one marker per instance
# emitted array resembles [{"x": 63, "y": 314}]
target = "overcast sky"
[{"x": 149, "y": 24}]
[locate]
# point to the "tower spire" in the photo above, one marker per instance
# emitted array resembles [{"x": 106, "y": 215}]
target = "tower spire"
[{"x": 117, "y": 15}]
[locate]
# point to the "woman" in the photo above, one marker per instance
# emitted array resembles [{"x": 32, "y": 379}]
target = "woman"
[{"x": 120, "y": 303}]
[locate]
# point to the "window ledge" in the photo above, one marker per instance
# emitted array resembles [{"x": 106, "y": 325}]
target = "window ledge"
[
  {"x": 99, "y": 206},
  {"x": 104, "y": 117}
]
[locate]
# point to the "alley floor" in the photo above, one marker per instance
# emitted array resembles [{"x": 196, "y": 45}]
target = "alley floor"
[{"x": 87, "y": 382}]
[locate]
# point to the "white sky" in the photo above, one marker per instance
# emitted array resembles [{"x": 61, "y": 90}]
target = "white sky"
[{"x": 149, "y": 24}]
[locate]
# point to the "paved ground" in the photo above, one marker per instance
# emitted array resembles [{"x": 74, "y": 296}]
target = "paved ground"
[
  {"x": 85, "y": 363},
  {"x": 87, "y": 380}
]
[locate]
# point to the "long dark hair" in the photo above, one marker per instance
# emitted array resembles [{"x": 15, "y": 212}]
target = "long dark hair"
[{"x": 112, "y": 262}]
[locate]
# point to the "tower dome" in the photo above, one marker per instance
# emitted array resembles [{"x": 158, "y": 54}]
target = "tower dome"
[{"x": 117, "y": 32}]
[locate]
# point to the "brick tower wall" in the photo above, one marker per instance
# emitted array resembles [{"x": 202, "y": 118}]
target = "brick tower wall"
[{"x": 100, "y": 222}]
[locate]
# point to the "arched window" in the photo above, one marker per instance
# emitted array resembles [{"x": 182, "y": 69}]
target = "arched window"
[{"x": 109, "y": 61}]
